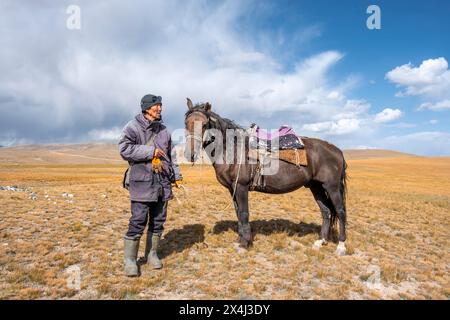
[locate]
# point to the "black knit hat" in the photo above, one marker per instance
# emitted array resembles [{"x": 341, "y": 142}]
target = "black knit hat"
[{"x": 149, "y": 100}]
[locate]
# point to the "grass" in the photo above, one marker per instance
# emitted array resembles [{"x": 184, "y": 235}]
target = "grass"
[{"x": 398, "y": 220}]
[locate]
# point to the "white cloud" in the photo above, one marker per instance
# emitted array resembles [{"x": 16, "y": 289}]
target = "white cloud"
[
  {"x": 430, "y": 81},
  {"x": 402, "y": 125},
  {"x": 438, "y": 106},
  {"x": 421, "y": 143},
  {"x": 353, "y": 109},
  {"x": 339, "y": 127},
  {"x": 431, "y": 78},
  {"x": 318, "y": 127},
  {"x": 434, "y": 121},
  {"x": 364, "y": 148},
  {"x": 345, "y": 126},
  {"x": 388, "y": 115},
  {"x": 105, "y": 134},
  {"x": 335, "y": 95}
]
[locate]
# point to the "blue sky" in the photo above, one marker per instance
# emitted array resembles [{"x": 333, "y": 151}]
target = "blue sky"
[{"x": 311, "y": 64}]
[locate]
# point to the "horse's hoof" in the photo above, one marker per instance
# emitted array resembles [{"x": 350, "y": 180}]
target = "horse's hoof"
[
  {"x": 318, "y": 244},
  {"x": 240, "y": 249},
  {"x": 341, "y": 250},
  {"x": 244, "y": 245}
]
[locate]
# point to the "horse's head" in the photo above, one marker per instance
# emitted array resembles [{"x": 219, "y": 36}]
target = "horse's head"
[{"x": 196, "y": 121}]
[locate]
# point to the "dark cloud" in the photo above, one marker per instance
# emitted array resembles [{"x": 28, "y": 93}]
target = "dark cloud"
[{"x": 60, "y": 85}]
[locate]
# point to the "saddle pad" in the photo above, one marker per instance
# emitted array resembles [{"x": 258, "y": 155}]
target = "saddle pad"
[{"x": 294, "y": 156}]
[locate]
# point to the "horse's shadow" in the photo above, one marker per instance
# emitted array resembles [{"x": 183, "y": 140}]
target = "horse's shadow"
[
  {"x": 268, "y": 227},
  {"x": 178, "y": 240}
]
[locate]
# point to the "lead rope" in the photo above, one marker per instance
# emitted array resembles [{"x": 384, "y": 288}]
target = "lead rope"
[{"x": 201, "y": 170}]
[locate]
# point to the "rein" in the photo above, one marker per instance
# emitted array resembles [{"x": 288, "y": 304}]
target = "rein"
[{"x": 200, "y": 139}]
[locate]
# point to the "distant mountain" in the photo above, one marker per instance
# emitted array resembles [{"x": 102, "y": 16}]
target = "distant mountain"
[
  {"x": 89, "y": 153},
  {"x": 108, "y": 153},
  {"x": 356, "y": 154}
]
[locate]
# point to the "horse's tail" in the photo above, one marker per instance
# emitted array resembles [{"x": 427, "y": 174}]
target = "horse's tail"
[
  {"x": 343, "y": 186},
  {"x": 343, "y": 192}
]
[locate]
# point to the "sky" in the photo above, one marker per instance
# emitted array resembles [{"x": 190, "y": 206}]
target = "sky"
[{"x": 313, "y": 65}]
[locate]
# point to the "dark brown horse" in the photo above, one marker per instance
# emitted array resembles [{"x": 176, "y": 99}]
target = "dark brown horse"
[{"x": 325, "y": 174}]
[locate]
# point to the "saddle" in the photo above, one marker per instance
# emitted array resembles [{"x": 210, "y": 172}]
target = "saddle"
[
  {"x": 282, "y": 139},
  {"x": 265, "y": 147}
]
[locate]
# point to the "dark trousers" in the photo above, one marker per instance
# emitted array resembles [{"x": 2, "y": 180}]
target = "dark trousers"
[{"x": 155, "y": 213}]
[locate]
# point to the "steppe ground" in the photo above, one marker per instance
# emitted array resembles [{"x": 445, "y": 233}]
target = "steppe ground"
[{"x": 68, "y": 241}]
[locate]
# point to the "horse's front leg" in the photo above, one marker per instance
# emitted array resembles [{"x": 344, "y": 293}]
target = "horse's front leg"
[{"x": 240, "y": 201}]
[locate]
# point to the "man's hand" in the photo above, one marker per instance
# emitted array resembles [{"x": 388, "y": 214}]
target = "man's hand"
[
  {"x": 156, "y": 165},
  {"x": 158, "y": 153},
  {"x": 178, "y": 183}
]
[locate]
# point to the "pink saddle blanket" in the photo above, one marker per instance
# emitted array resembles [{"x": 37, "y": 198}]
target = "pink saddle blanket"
[{"x": 282, "y": 131}]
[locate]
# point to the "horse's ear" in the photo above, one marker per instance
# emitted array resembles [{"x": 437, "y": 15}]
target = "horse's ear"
[
  {"x": 189, "y": 104},
  {"x": 208, "y": 107}
]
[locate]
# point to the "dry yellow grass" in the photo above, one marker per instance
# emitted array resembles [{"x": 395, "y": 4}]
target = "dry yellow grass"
[{"x": 398, "y": 211}]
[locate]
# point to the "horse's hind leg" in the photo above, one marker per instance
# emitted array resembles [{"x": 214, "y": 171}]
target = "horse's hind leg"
[
  {"x": 326, "y": 208},
  {"x": 336, "y": 197}
]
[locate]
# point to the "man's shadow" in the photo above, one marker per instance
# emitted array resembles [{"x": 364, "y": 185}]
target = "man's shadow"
[
  {"x": 268, "y": 227},
  {"x": 178, "y": 240}
]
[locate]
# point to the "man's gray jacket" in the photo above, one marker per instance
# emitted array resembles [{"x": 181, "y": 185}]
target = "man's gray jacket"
[{"x": 145, "y": 185}]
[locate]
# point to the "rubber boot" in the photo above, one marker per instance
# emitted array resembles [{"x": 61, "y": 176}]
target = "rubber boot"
[
  {"x": 151, "y": 249},
  {"x": 131, "y": 248}
]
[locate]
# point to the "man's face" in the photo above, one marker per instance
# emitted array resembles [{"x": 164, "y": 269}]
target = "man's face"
[{"x": 154, "y": 113}]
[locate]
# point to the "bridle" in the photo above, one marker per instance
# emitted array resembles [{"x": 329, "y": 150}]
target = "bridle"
[
  {"x": 205, "y": 126},
  {"x": 192, "y": 136}
]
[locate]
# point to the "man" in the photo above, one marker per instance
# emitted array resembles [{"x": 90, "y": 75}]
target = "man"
[{"x": 152, "y": 170}]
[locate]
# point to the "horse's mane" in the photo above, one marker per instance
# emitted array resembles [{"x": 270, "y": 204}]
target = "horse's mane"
[{"x": 221, "y": 123}]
